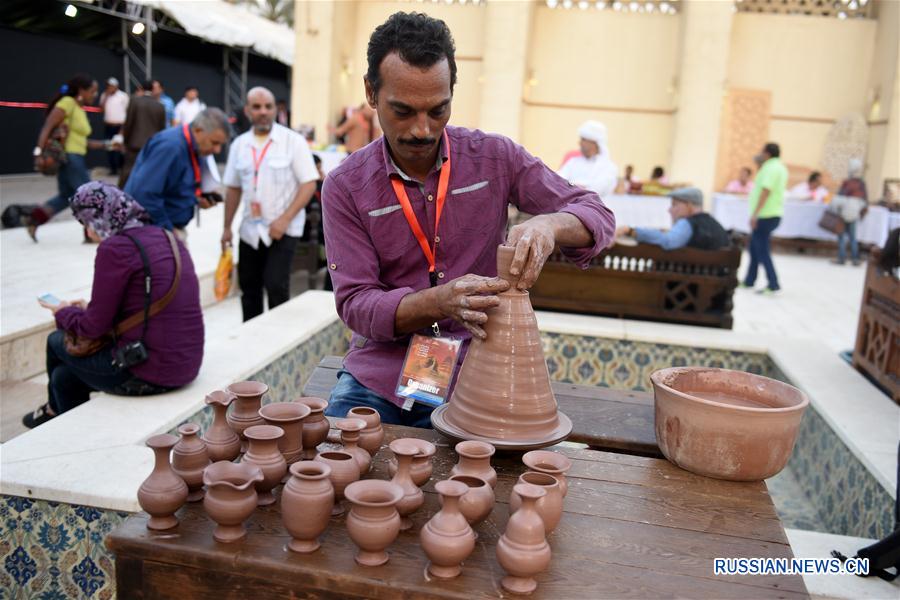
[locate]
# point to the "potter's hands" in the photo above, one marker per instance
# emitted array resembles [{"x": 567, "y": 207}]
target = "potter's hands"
[
  {"x": 534, "y": 241},
  {"x": 466, "y": 298}
]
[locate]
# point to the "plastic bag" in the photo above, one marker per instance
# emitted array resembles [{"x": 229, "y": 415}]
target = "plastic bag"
[{"x": 223, "y": 274}]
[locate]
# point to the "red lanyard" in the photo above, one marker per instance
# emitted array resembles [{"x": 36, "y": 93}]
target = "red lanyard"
[
  {"x": 257, "y": 163},
  {"x": 194, "y": 163},
  {"x": 443, "y": 183}
]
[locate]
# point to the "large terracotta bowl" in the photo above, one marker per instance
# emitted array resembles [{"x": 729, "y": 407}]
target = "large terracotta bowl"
[{"x": 726, "y": 424}]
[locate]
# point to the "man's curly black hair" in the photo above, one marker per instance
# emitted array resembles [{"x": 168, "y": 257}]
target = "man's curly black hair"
[{"x": 420, "y": 40}]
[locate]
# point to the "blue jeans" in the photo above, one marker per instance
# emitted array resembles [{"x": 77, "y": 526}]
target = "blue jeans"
[
  {"x": 73, "y": 378},
  {"x": 761, "y": 252},
  {"x": 71, "y": 176},
  {"x": 349, "y": 393},
  {"x": 849, "y": 231}
]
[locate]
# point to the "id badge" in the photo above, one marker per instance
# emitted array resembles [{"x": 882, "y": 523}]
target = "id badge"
[
  {"x": 428, "y": 370},
  {"x": 256, "y": 210}
]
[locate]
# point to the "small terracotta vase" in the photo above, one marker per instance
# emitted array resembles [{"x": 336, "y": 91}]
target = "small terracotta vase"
[
  {"x": 263, "y": 452},
  {"x": 478, "y": 502},
  {"x": 289, "y": 416},
  {"x": 522, "y": 550},
  {"x": 344, "y": 471},
  {"x": 222, "y": 443},
  {"x": 306, "y": 503},
  {"x": 163, "y": 492},
  {"x": 247, "y": 399},
  {"x": 550, "y": 507},
  {"x": 421, "y": 465},
  {"x": 373, "y": 522},
  {"x": 230, "y": 497},
  {"x": 372, "y": 436},
  {"x": 350, "y": 429},
  {"x": 475, "y": 460},
  {"x": 447, "y": 538},
  {"x": 413, "y": 498},
  {"x": 189, "y": 458},
  {"x": 315, "y": 425},
  {"x": 552, "y": 463}
]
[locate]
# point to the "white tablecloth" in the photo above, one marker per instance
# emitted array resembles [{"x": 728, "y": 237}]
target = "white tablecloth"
[
  {"x": 801, "y": 220},
  {"x": 640, "y": 211}
]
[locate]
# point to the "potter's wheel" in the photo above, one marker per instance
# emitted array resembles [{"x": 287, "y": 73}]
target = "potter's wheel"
[{"x": 559, "y": 434}]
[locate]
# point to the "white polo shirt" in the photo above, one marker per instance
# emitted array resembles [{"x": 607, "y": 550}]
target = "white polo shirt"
[
  {"x": 287, "y": 164},
  {"x": 115, "y": 107}
]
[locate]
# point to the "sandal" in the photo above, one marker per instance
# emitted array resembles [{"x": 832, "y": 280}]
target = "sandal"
[{"x": 40, "y": 416}]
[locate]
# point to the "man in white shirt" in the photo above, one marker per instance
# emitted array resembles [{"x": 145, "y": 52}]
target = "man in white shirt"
[
  {"x": 188, "y": 107},
  {"x": 114, "y": 103},
  {"x": 811, "y": 189},
  {"x": 594, "y": 169},
  {"x": 271, "y": 168}
]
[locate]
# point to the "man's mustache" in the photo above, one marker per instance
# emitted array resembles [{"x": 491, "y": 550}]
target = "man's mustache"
[{"x": 419, "y": 141}]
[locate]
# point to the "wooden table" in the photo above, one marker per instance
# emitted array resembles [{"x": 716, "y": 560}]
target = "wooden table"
[
  {"x": 603, "y": 418},
  {"x": 633, "y": 527}
]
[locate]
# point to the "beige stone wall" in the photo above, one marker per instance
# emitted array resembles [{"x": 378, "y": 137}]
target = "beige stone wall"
[{"x": 883, "y": 101}]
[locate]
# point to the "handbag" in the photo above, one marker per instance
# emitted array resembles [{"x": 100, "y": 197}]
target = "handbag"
[
  {"x": 831, "y": 221},
  {"x": 53, "y": 153},
  {"x": 80, "y": 346}
]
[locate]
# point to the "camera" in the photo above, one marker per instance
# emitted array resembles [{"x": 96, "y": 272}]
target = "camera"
[{"x": 130, "y": 355}]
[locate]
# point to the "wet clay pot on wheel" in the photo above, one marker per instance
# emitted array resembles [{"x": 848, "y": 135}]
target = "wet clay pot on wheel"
[
  {"x": 245, "y": 412},
  {"x": 222, "y": 443},
  {"x": 522, "y": 550},
  {"x": 550, "y": 507},
  {"x": 422, "y": 466},
  {"x": 404, "y": 450},
  {"x": 315, "y": 425},
  {"x": 478, "y": 502},
  {"x": 263, "y": 452},
  {"x": 230, "y": 497},
  {"x": 306, "y": 503},
  {"x": 726, "y": 424},
  {"x": 289, "y": 417},
  {"x": 350, "y": 429},
  {"x": 475, "y": 460},
  {"x": 372, "y": 436},
  {"x": 447, "y": 538},
  {"x": 344, "y": 471},
  {"x": 189, "y": 458},
  {"x": 373, "y": 522},
  {"x": 163, "y": 492},
  {"x": 551, "y": 463}
]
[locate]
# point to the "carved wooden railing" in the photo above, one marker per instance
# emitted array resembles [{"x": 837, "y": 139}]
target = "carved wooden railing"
[{"x": 877, "y": 351}]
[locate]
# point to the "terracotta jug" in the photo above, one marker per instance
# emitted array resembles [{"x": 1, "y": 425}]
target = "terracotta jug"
[
  {"x": 222, "y": 443},
  {"x": 344, "y": 471},
  {"x": 421, "y": 465},
  {"x": 478, "y": 502},
  {"x": 263, "y": 452},
  {"x": 522, "y": 550},
  {"x": 413, "y": 498},
  {"x": 230, "y": 497},
  {"x": 373, "y": 522},
  {"x": 503, "y": 394},
  {"x": 350, "y": 429},
  {"x": 550, "y": 507},
  {"x": 163, "y": 492},
  {"x": 245, "y": 413},
  {"x": 372, "y": 436},
  {"x": 447, "y": 538},
  {"x": 289, "y": 416},
  {"x": 189, "y": 458},
  {"x": 475, "y": 460},
  {"x": 306, "y": 503},
  {"x": 315, "y": 425},
  {"x": 552, "y": 463}
]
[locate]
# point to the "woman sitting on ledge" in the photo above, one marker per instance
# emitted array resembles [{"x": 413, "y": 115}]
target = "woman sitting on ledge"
[{"x": 109, "y": 345}]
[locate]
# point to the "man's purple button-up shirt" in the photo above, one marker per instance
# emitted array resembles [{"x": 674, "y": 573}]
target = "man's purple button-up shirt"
[{"x": 375, "y": 259}]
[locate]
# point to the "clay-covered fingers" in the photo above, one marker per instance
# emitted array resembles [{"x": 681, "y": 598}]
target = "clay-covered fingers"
[
  {"x": 537, "y": 257},
  {"x": 469, "y": 285}
]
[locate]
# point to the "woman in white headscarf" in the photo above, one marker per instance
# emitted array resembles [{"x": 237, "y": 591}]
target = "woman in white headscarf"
[{"x": 594, "y": 169}]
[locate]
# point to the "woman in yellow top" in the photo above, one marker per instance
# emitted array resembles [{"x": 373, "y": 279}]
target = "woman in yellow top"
[{"x": 66, "y": 108}]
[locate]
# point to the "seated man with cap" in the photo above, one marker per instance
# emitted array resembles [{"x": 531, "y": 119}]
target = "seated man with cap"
[
  {"x": 593, "y": 169},
  {"x": 690, "y": 225}
]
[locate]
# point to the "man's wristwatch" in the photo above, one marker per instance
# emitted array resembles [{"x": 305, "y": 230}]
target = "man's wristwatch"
[{"x": 37, "y": 151}]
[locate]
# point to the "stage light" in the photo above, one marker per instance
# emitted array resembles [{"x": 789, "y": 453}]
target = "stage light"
[
  {"x": 71, "y": 11},
  {"x": 137, "y": 28}
]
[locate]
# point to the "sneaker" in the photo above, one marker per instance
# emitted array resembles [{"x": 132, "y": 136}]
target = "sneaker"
[
  {"x": 745, "y": 286},
  {"x": 856, "y": 263},
  {"x": 767, "y": 291},
  {"x": 40, "y": 416}
]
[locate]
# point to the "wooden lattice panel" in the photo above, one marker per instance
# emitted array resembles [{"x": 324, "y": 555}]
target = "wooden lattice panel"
[
  {"x": 744, "y": 131},
  {"x": 877, "y": 351},
  {"x": 841, "y": 9}
]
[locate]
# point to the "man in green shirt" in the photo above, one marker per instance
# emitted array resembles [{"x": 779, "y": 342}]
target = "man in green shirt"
[{"x": 766, "y": 204}]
